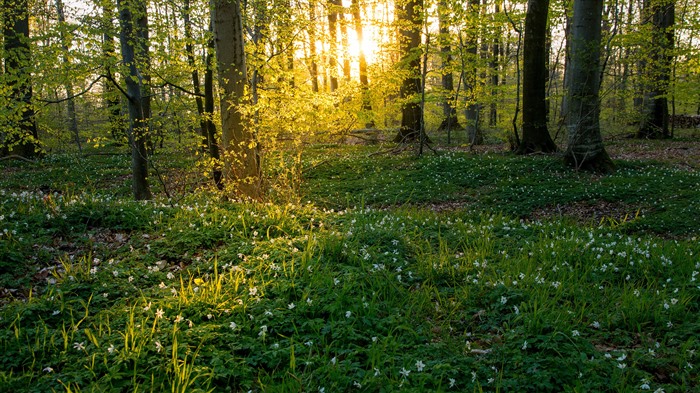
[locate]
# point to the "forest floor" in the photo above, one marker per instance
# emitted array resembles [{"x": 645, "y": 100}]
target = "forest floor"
[{"x": 468, "y": 270}]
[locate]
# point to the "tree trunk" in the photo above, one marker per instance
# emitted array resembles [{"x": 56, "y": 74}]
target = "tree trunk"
[
  {"x": 134, "y": 46},
  {"x": 474, "y": 133},
  {"x": 333, "y": 6},
  {"x": 18, "y": 134},
  {"x": 364, "y": 80},
  {"x": 189, "y": 50},
  {"x": 657, "y": 75},
  {"x": 70, "y": 104},
  {"x": 344, "y": 43},
  {"x": 240, "y": 151},
  {"x": 494, "y": 66},
  {"x": 212, "y": 140},
  {"x": 535, "y": 134},
  {"x": 585, "y": 145},
  {"x": 312, "y": 47},
  {"x": 411, "y": 20},
  {"x": 449, "y": 112},
  {"x": 110, "y": 95}
]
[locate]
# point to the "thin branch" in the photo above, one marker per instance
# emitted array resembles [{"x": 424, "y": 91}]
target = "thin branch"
[
  {"x": 74, "y": 95},
  {"x": 115, "y": 84},
  {"x": 168, "y": 83}
]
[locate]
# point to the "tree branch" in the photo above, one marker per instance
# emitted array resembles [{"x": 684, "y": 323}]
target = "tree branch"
[{"x": 74, "y": 95}]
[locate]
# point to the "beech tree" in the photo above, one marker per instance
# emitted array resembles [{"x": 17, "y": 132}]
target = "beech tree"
[
  {"x": 585, "y": 145},
  {"x": 660, "y": 14},
  {"x": 364, "y": 80},
  {"x": 449, "y": 111},
  {"x": 240, "y": 153},
  {"x": 18, "y": 130},
  {"x": 469, "y": 74},
  {"x": 65, "y": 46},
  {"x": 536, "y": 136},
  {"x": 410, "y": 19},
  {"x": 133, "y": 19}
]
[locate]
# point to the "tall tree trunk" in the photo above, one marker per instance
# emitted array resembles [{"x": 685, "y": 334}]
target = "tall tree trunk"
[
  {"x": 333, "y": 6},
  {"x": 655, "y": 117},
  {"x": 449, "y": 112},
  {"x": 18, "y": 132},
  {"x": 110, "y": 95},
  {"x": 344, "y": 43},
  {"x": 65, "y": 45},
  {"x": 536, "y": 137},
  {"x": 312, "y": 47},
  {"x": 134, "y": 46},
  {"x": 364, "y": 80},
  {"x": 564, "y": 108},
  {"x": 411, "y": 20},
  {"x": 474, "y": 133},
  {"x": 494, "y": 66},
  {"x": 189, "y": 50},
  {"x": 212, "y": 140},
  {"x": 240, "y": 151},
  {"x": 585, "y": 145}
]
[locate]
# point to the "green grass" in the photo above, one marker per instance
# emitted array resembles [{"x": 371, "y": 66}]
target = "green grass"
[{"x": 363, "y": 288}]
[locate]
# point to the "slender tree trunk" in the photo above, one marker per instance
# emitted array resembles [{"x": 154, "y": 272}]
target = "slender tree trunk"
[
  {"x": 134, "y": 47},
  {"x": 111, "y": 96},
  {"x": 312, "y": 47},
  {"x": 333, "y": 6},
  {"x": 585, "y": 145},
  {"x": 240, "y": 151},
  {"x": 70, "y": 104},
  {"x": 564, "y": 108},
  {"x": 474, "y": 133},
  {"x": 536, "y": 137},
  {"x": 494, "y": 66},
  {"x": 411, "y": 20},
  {"x": 449, "y": 111},
  {"x": 18, "y": 132},
  {"x": 189, "y": 50},
  {"x": 655, "y": 116},
  {"x": 364, "y": 80},
  {"x": 212, "y": 140},
  {"x": 345, "y": 44}
]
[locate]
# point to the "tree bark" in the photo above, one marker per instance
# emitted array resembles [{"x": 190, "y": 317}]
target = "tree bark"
[
  {"x": 536, "y": 137},
  {"x": 240, "y": 151},
  {"x": 344, "y": 43},
  {"x": 110, "y": 95},
  {"x": 212, "y": 140},
  {"x": 494, "y": 66},
  {"x": 134, "y": 47},
  {"x": 333, "y": 6},
  {"x": 312, "y": 47},
  {"x": 18, "y": 134},
  {"x": 471, "y": 113},
  {"x": 449, "y": 112},
  {"x": 410, "y": 22},
  {"x": 585, "y": 145},
  {"x": 196, "y": 87},
  {"x": 655, "y": 116},
  {"x": 70, "y": 103},
  {"x": 364, "y": 80}
]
